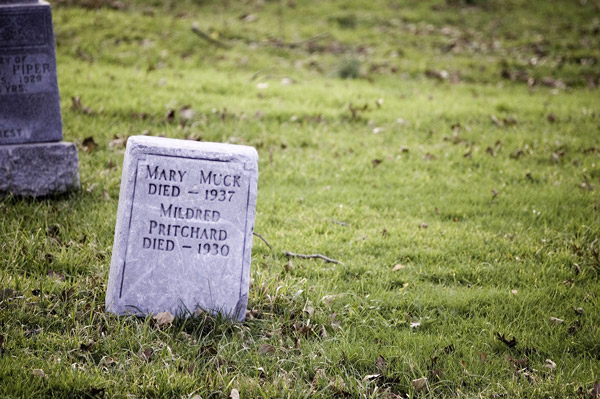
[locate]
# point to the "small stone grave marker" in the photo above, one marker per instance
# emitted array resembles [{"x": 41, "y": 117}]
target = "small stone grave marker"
[
  {"x": 30, "y": 105},
  {"x": 183, "y": 237}
]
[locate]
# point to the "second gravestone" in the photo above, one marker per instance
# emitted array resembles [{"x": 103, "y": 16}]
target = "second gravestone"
[
  {"x": 183, "y": 238},
  {"x": 33, "y": 159}
]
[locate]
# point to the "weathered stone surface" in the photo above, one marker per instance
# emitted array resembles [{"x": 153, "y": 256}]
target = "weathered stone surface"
[
  {"x": 38, "y": 169},
  {"x": 29, "y": 99},
  {"x": 183, "y": 237}
]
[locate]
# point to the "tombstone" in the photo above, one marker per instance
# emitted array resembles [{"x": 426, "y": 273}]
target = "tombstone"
[
  {"x": 33, "y": 160},
  {"x": 183, "y": 236}
]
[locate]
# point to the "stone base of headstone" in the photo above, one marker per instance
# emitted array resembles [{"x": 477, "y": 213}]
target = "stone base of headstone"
[{"x": 34, "y": 170}]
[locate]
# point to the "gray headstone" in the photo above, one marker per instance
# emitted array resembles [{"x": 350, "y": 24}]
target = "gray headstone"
[
  {"x": 29, "y": 100},
  {"x": 183, "y": 237},
  {"x": 32, "y": 161}
]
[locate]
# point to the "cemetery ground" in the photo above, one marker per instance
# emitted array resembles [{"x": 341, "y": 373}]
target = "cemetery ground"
[{"x": 446, "y": 153}]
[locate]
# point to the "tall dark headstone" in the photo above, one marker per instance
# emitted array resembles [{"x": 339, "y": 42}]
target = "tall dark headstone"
[{"x": 30, "y": 105}]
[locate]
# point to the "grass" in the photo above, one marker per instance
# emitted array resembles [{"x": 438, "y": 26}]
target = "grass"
[{"x": 464, "y": 146}]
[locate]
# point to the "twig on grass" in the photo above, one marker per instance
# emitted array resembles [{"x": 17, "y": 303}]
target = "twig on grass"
[
  {"x": 313, "y": 39},
  {"x": 209, "y": 39},
  {"x": 312, "y": 256},
  {"x": 262, "y": 238}
]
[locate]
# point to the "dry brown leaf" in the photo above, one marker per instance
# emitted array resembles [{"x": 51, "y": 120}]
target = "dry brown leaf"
[
  {"x": 380, "y": 364},
  {"x": 399, "y": 266},
  {"x": 323, "y": 332},
  {"x": 56, "y": 275},
  {"x": 550, "y": 364},
  {"x": 89, "y": 144},
  {"x": 6, "y": 293},
  {"x": 77, "y": 106},
  {"x": 164, "y": 318},
  {"x": 39, "y": 373},
  {"x": 420, "y": 383},
  {"x": 87, "y": 346},
  {"x": 187, "y": 113},
  {"x": 266, "y": 348},
  {"x": 595, "y": 391},
  {"x": 146, "y": 354},
  {"x": 117, "y": 142}
]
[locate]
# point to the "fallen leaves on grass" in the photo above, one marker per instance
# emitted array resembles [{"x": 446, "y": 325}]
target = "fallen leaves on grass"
[
  {"x": 420, "y": 384},
  {"x": 266, "y": 348},
  {"x": 86, "y": 347},
  {"x": 7, "y": 293},
  {"x": 554, "y": 83},
  {"x": 550, "y": 364},
  {"x": 186, "y": 113},
  {"x": 380, "y": 364},
  {"x": 370, "y": 377},
  {"x": 77, "y": 106},
  {"x": 89, "y": 144},
  {"x": 65, "y": 295},
  {"x": 39, "y": 373},
  {"x": 399, "y": 266},
  {"x": 518, "y": 364},
  {"x": 510, "y": 343},
  {"x": 574, "y": 328},
  {"x": 435, "y": 74},
  {"x": 234, "y": 394},
  {"x": 146, "y": 354},
  {"x": 56, "y": 275},
  {"x": 594, "y": 393},
  {"x": 163, "y": 318},
  {"x": 117, "y": 142},
  {"x": 510, "y": 121}
]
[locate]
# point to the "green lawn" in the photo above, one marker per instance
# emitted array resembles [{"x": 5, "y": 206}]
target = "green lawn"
[{"x": 457, "y": 139}]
